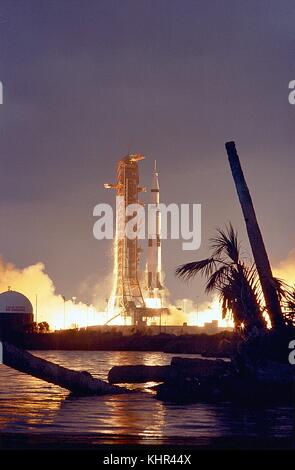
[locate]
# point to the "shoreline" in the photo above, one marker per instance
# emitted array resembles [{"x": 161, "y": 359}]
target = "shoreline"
[{"x": 218, "y": 345}]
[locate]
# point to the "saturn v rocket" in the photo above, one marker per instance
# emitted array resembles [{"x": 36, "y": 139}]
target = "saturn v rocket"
[{"x": 154, "y": 268}]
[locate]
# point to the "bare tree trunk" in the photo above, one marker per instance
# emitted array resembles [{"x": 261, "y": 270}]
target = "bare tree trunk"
[
  {"x": 81, "y": 383},
  {"x": 255, "y": 238}
]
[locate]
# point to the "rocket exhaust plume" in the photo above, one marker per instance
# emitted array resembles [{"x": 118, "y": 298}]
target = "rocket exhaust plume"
[
  {"x": 35, "y": 284},
  {"x": 59, "y": 313}
]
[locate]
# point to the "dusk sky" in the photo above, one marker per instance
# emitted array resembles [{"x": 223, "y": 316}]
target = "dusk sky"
[{"x": 86, "y": 82}]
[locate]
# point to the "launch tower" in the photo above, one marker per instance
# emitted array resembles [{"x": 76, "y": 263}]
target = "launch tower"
[{"x": 127, "y": 298}]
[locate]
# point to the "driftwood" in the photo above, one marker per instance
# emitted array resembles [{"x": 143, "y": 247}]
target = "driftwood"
[
  {"x": 201, "y": 368},
  {"x": 80, "y": 383}
]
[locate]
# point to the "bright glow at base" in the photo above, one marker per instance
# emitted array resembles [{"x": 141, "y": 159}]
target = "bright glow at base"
[
  {"x": 79, "y": 315},
  {"x": 211, "y": 313},
  {"x": 153, "y": 302}
]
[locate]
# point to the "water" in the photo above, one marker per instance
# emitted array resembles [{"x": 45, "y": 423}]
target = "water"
[{"x": 32, "y": 407}]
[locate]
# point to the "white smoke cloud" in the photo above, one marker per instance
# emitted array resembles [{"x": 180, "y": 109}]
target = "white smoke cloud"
[
  {"x": 35, "y": 284},
  {"x": 193, "y": 313}
]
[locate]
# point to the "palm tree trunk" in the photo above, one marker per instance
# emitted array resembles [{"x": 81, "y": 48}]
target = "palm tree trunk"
[
  {"x": 81, "y": 383},
  {"x": 255, "y": 238}
]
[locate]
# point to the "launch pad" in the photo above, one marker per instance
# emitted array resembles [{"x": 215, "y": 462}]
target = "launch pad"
[{"x": 127, "y": 298}]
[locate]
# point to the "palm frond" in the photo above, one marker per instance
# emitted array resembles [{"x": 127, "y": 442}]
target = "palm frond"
[
  {"x": 226, "y": 241},
  {"x": 217, "y": 279},
  {"x": 189, "y": 270},
  {"x": 282, "y": 288}
]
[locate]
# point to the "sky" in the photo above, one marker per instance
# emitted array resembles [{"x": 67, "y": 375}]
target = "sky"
[{"x": 87, "y": 81}]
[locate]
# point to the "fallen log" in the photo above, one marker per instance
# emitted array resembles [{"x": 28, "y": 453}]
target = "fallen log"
[
  {"x": 79, "y": 383},
  {"x": 138, "y": 374},
  {"x": 201, "y": 368},
  {"x": 195, "y": 367},
  {"x": 262, "y": 382}
]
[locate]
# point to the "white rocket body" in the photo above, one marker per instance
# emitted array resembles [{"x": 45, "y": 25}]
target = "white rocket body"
[{"x": 154, "y": 268}]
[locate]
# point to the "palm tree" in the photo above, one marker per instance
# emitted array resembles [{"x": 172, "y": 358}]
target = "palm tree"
[
  {"x": 267, "y": 281},
  {"x": 237, "y": 284},
  {"x": 287, "y": 298}
]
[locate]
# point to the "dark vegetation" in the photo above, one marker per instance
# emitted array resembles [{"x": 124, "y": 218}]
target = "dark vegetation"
[
  {"x": 218, "y": 345},
  {"x": 238, "y": 285}
]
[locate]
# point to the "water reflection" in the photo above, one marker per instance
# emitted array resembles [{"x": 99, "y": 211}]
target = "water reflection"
[
  {"x": 117, "y": 416},
  {"x": 30, "y": 405}
]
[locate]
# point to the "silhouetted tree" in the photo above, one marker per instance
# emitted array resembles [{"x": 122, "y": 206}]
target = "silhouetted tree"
[
  {"x": 267, "y": 280},
  {"x": 237, "y": 284},
  {"x": 43, "y": 327}
]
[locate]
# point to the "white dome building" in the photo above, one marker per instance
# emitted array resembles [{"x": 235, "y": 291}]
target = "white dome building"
[{"x": 16, "y": 311}]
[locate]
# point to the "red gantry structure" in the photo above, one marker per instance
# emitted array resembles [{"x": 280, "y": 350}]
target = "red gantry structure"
[{"x": 126, "y": 298}]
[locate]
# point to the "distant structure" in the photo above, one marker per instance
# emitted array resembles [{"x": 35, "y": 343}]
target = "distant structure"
[
  {"x": 16, "y": 311},
  {"x": 154, "y": 264},
  {"x": 127, "y": 298}
]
